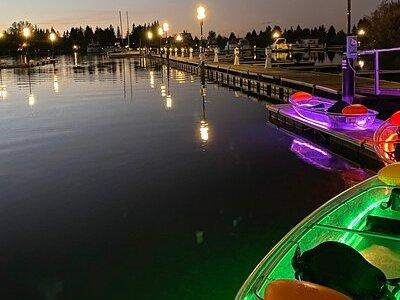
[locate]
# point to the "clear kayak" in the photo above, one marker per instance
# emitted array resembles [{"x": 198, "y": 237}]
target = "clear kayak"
[
  {"x": 365, "y": 218},
  {"x": 315, "y": 109}
]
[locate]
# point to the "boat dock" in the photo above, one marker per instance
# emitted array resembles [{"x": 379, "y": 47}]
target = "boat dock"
[
  {"x": 356, "y": 145},
  {"x": 277, "y": 83},
  {"x": 30, "y": 65}
]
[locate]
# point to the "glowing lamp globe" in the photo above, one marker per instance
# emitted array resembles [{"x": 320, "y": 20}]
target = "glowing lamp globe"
[
  {"x": 52, "y": 37},
  {"x": 387, "y": 140},
  {"x": 390, "y": 175},
  {"x": 26, "y": 32},
  {"x": 355, "y": 109},
  {"x": 301, "y": 96},
  {"x": 201, "y": 13},
  {"x": 165, "y": 27}
]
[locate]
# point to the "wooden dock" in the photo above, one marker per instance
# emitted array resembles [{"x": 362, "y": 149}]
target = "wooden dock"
[
  {"x": 356, "y": 145},
  {"x": 38, "y": 63},
  {"x": 289, "y": 80}
]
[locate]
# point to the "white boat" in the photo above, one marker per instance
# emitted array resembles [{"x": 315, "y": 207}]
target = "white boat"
[{"x": 280, "y": 44}]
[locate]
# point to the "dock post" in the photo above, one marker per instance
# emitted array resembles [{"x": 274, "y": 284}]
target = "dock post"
[
  {"x": 268, "y": 55},
  {"x": 236, "y": 60},
  {"x": 377, "y": 89},
  {"x": 348, "y": 72},
  {"x": 216, "y": 55}
]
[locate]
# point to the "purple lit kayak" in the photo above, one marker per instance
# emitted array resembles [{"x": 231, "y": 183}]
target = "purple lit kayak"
[{"x": 315, "y": 110}]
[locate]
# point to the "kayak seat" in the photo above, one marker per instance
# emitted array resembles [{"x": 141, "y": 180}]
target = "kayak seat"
[{"x": 300, "y": 290}]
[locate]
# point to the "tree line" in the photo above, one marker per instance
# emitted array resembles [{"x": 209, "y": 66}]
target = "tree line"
[{"x": 381, "y": 29}]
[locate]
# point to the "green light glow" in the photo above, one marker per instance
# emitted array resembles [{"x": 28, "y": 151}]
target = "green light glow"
[{"x": 343, "y": 219}]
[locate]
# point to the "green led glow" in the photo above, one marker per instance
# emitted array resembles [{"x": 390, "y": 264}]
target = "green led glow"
[
  {"x": 343, "y": 219},
  {"x": 356, "y": 224}
]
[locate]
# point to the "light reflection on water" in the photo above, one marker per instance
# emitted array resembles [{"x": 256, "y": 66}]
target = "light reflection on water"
[{"x": 111, "y": 170}]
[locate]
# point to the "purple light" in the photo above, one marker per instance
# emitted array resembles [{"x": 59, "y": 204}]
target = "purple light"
[
  {"x": 321, "y": 159},
  {"x": 315, "y": 110},
  {"x": 311, "y": 154}
]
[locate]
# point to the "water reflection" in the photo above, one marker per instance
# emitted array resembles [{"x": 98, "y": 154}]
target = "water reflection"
[
  {"x": 31, "y": 97},
  {"x": 320, "y": 158},
  {"x": 151, "y": 73},
  {"x": 204, "y": 127},
  {"x": 55, "y": 84},
  {"x": 3, "y": 88},
  {"x": 76, "y": 59},
  {"x": 88, "y": 140}
]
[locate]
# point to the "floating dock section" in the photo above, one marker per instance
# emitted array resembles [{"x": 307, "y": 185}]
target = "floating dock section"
[{"x": 356, "y": 145}]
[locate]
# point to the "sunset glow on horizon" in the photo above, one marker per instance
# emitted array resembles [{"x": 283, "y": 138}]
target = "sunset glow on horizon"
[{"x": 223, "y": 16}]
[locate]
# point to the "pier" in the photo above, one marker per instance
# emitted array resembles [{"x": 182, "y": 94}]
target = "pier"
[
  {"x": 33, "y": 64},
  {"x": 278, "y": 83}
]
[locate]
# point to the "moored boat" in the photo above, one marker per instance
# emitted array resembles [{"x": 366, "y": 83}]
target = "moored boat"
[
  {"x": 317, "y": 110},
  {"x": 350, "y": 245}
]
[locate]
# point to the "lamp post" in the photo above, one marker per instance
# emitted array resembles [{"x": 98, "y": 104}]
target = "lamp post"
[
  {"x": 26, "y": 33},
  {"x": 160, "y": 32},
  {"x": 179, "y": 38},
  {"x": 201, "y": 15},
  {"x": 52, "y": 38},
  {"x": 149, "y": 37},
  {"x": 276, "y": 35},
  {"x": 348, "y": 17},
  {"x": 166, "y": 29}
]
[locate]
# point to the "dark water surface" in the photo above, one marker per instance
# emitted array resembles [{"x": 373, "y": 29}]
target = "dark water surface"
[{"x": 109, "y": 190}]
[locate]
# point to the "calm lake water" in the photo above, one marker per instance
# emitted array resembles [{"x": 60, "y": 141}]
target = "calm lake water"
[{"x": 115, "y": 186}]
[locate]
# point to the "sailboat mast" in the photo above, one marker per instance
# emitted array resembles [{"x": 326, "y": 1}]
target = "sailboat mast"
[
  {"x": 121, "y": 30},
  {"x": 127, "y": 26}
]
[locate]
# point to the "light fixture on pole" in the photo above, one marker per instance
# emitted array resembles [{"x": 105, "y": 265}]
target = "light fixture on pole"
[
  {"x": 276, "y": 35},
  {"x": 160, "y": 32},
  {"x": 166, "y": 29},
  {"x": 52, "y": 38},
  {"x": 361, "y": 32},
  {"x": 26, "y": 33},
  {"x": 179, "y": 38},
  {"x": 201, "y": 15}
]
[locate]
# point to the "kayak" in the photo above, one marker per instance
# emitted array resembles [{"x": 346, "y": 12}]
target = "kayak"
[
  {"x": 316, "y": 110},
  {"x": 350, "y": 246}
]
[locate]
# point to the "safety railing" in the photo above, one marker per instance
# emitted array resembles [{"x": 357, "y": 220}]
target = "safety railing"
[{"x": 376, "y": 54}]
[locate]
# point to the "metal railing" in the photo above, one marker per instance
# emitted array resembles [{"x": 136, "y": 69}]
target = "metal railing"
[{"x": 376, "y": 53}]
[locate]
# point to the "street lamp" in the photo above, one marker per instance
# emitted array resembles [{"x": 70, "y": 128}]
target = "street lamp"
[
  {"x": 26, "y": 33},
  {"x": 1, "y": 35},
  {"x": 276, "y": 35},
  {"x": 52, "y": 38},
  {"x": 179, "y": 38},
  {"x": 166, "y": 29},
  {"x": 361, "y": 32},
  {"x": 201, "y": 15},
  {"x": 160, "y": 32}
]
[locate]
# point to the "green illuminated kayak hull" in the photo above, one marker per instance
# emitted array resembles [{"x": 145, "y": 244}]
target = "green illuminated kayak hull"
[{"x": 346, "y": 219}]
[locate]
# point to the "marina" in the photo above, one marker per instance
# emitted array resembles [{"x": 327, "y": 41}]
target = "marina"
[{"x": 248, "y": 151}]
